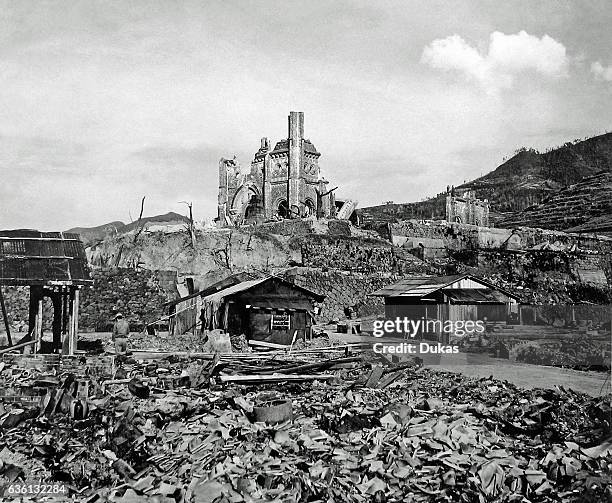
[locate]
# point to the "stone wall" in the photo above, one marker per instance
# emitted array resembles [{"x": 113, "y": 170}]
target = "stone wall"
[
  {"x": 543, "y": 277},
  {"x": 357, "y": 255},
  {"x": 472, "y": 237},
  {"x": 343, "y": 289},
  {"x": 138, "y": 294},
  {"x": 17, "y": 300}
]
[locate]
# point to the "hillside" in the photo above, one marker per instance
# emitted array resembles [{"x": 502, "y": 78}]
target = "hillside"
[
  {"x": 91, "y": 235},
  {"x": 98, "y": 233},
  {"x": 528, "y": 179},
  {"x": 582, "y": 207}
]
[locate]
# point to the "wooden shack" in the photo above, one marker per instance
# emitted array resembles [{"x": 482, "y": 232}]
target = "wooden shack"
[
  {"x": 462, "y": 297},
  {"x": 267, "y": 309},
  {"x": 51, "y": 264}
]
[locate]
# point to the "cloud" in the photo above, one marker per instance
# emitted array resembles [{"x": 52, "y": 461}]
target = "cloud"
[
  {"x": 507, "y": 57},
  {"x": 601, "y": 72}
]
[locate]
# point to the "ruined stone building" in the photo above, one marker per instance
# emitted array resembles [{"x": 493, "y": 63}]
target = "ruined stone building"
[
  {"x": 466, "y": 208},
  {"x": 283, "y": 182}
]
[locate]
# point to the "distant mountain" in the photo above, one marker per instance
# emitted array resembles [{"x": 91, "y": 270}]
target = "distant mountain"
[
  {"x": 530, "y": 179},
  {"x": 91, "y": 235},
  {"x": 167, "y": 218}
]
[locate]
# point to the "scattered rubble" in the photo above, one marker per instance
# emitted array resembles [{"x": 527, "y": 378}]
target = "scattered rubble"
[{"x": 170, "y": 429}]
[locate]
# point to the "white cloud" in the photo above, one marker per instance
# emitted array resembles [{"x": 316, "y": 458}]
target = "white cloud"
[
  {"x": 507, "y": 57},
  {"x": 601, "y": 72}
]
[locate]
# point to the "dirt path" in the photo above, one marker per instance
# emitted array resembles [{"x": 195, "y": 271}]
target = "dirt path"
[
  {"x": 521, "y": 374},
  {"x": 526, "y": 375}
]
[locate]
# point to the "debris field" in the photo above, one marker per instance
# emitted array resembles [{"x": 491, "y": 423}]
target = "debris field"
[{"x": 313, "y": 425}]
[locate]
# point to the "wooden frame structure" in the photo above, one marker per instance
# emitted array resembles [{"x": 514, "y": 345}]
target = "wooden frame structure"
[{"x": 53, "y": 265}]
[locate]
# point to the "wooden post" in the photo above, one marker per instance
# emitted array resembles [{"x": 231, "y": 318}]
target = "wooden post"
[
  {"x": 68, "y": 338},
  {"x": 56, "y": 298},
  {"x": 64, "y": 312},
  {"x": 5, "y": 316},
  {"x": 75, "y": 321},
  {"x": 38, "y": 325}
]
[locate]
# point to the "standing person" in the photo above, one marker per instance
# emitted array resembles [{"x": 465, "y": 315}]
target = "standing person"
[{"x": 121, "y": 331}]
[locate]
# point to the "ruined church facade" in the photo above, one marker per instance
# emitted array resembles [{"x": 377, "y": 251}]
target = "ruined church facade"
[
  {"x": 283, "y": 182},
  {"x": 465, "y": 208}
]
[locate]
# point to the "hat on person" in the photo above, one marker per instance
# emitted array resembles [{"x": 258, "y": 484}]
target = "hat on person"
[{"x": 118, "y": 315}]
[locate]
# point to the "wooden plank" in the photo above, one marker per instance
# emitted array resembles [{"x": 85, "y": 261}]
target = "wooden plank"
[
  {"x": 374, "y": 377},
  {"x": 390, "y": 379},
  {"x": 18, "y": 346},
  {"x": 257, "y": 378},
  {"x": 270, "y": 345}
]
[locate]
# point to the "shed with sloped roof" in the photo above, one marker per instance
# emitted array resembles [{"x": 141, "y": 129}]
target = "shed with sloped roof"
[{"x": 457, "y": 298}]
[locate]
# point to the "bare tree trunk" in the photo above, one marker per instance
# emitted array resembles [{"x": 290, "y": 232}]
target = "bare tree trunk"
[{"x": 139, "y": 231}]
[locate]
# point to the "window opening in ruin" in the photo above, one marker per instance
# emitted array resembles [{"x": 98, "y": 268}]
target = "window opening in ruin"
[
  {"x": 309, "y": 208},
  {"x": 190, "y": 285},
  {"x": 251, "y": 208},
  {"x": 283, "y": 209}
]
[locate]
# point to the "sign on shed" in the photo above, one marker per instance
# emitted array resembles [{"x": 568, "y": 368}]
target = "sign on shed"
[{"x": 280, "y": 322}]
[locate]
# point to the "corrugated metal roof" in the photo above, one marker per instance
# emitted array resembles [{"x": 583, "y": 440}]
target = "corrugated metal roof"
[
  {"x": 417, "y": 285},
  {"x": 475, "y": 296},
  {"x": 29, "y": 257},
  {"x": 420, "y": 286}
]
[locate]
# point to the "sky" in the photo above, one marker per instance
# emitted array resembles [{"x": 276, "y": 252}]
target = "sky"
[{"x": 104, "y": 102}]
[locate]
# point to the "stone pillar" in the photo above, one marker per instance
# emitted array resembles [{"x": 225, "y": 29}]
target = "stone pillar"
[
  {"x": 296, "y": 135},
  {"x": 267, "y": 188},
  {"x": 222, "y": 200},
  {"x": 450, "y": 217},
  {"x": 323, "y": 201}
]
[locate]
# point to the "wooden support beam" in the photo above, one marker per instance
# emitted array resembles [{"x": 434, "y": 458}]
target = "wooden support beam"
[
  {"x": 68, "y": 336},
  {"x": 5, "y": 316},
  {"x": 39, "y": 325},
  {"x": 75, "y": 331}
]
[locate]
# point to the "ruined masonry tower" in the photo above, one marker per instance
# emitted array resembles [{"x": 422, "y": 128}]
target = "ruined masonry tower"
[
  {"x": 296, "y": 136},
  {"x": 283, "y": 182}
]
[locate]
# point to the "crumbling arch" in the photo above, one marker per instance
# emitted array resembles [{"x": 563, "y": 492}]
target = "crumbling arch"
[{"x": 245, "y": 201}]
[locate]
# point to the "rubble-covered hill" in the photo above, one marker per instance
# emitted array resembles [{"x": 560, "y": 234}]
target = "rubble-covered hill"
[{"x": 528, "y": 178}]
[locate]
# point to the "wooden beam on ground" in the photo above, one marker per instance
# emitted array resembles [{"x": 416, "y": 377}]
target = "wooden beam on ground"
[
  {"x": 263, "y": 379},
  {"x": 374, "y": 377},
  {"x": 269, "y": 345},
  {"x": 18, "y": 346}
]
